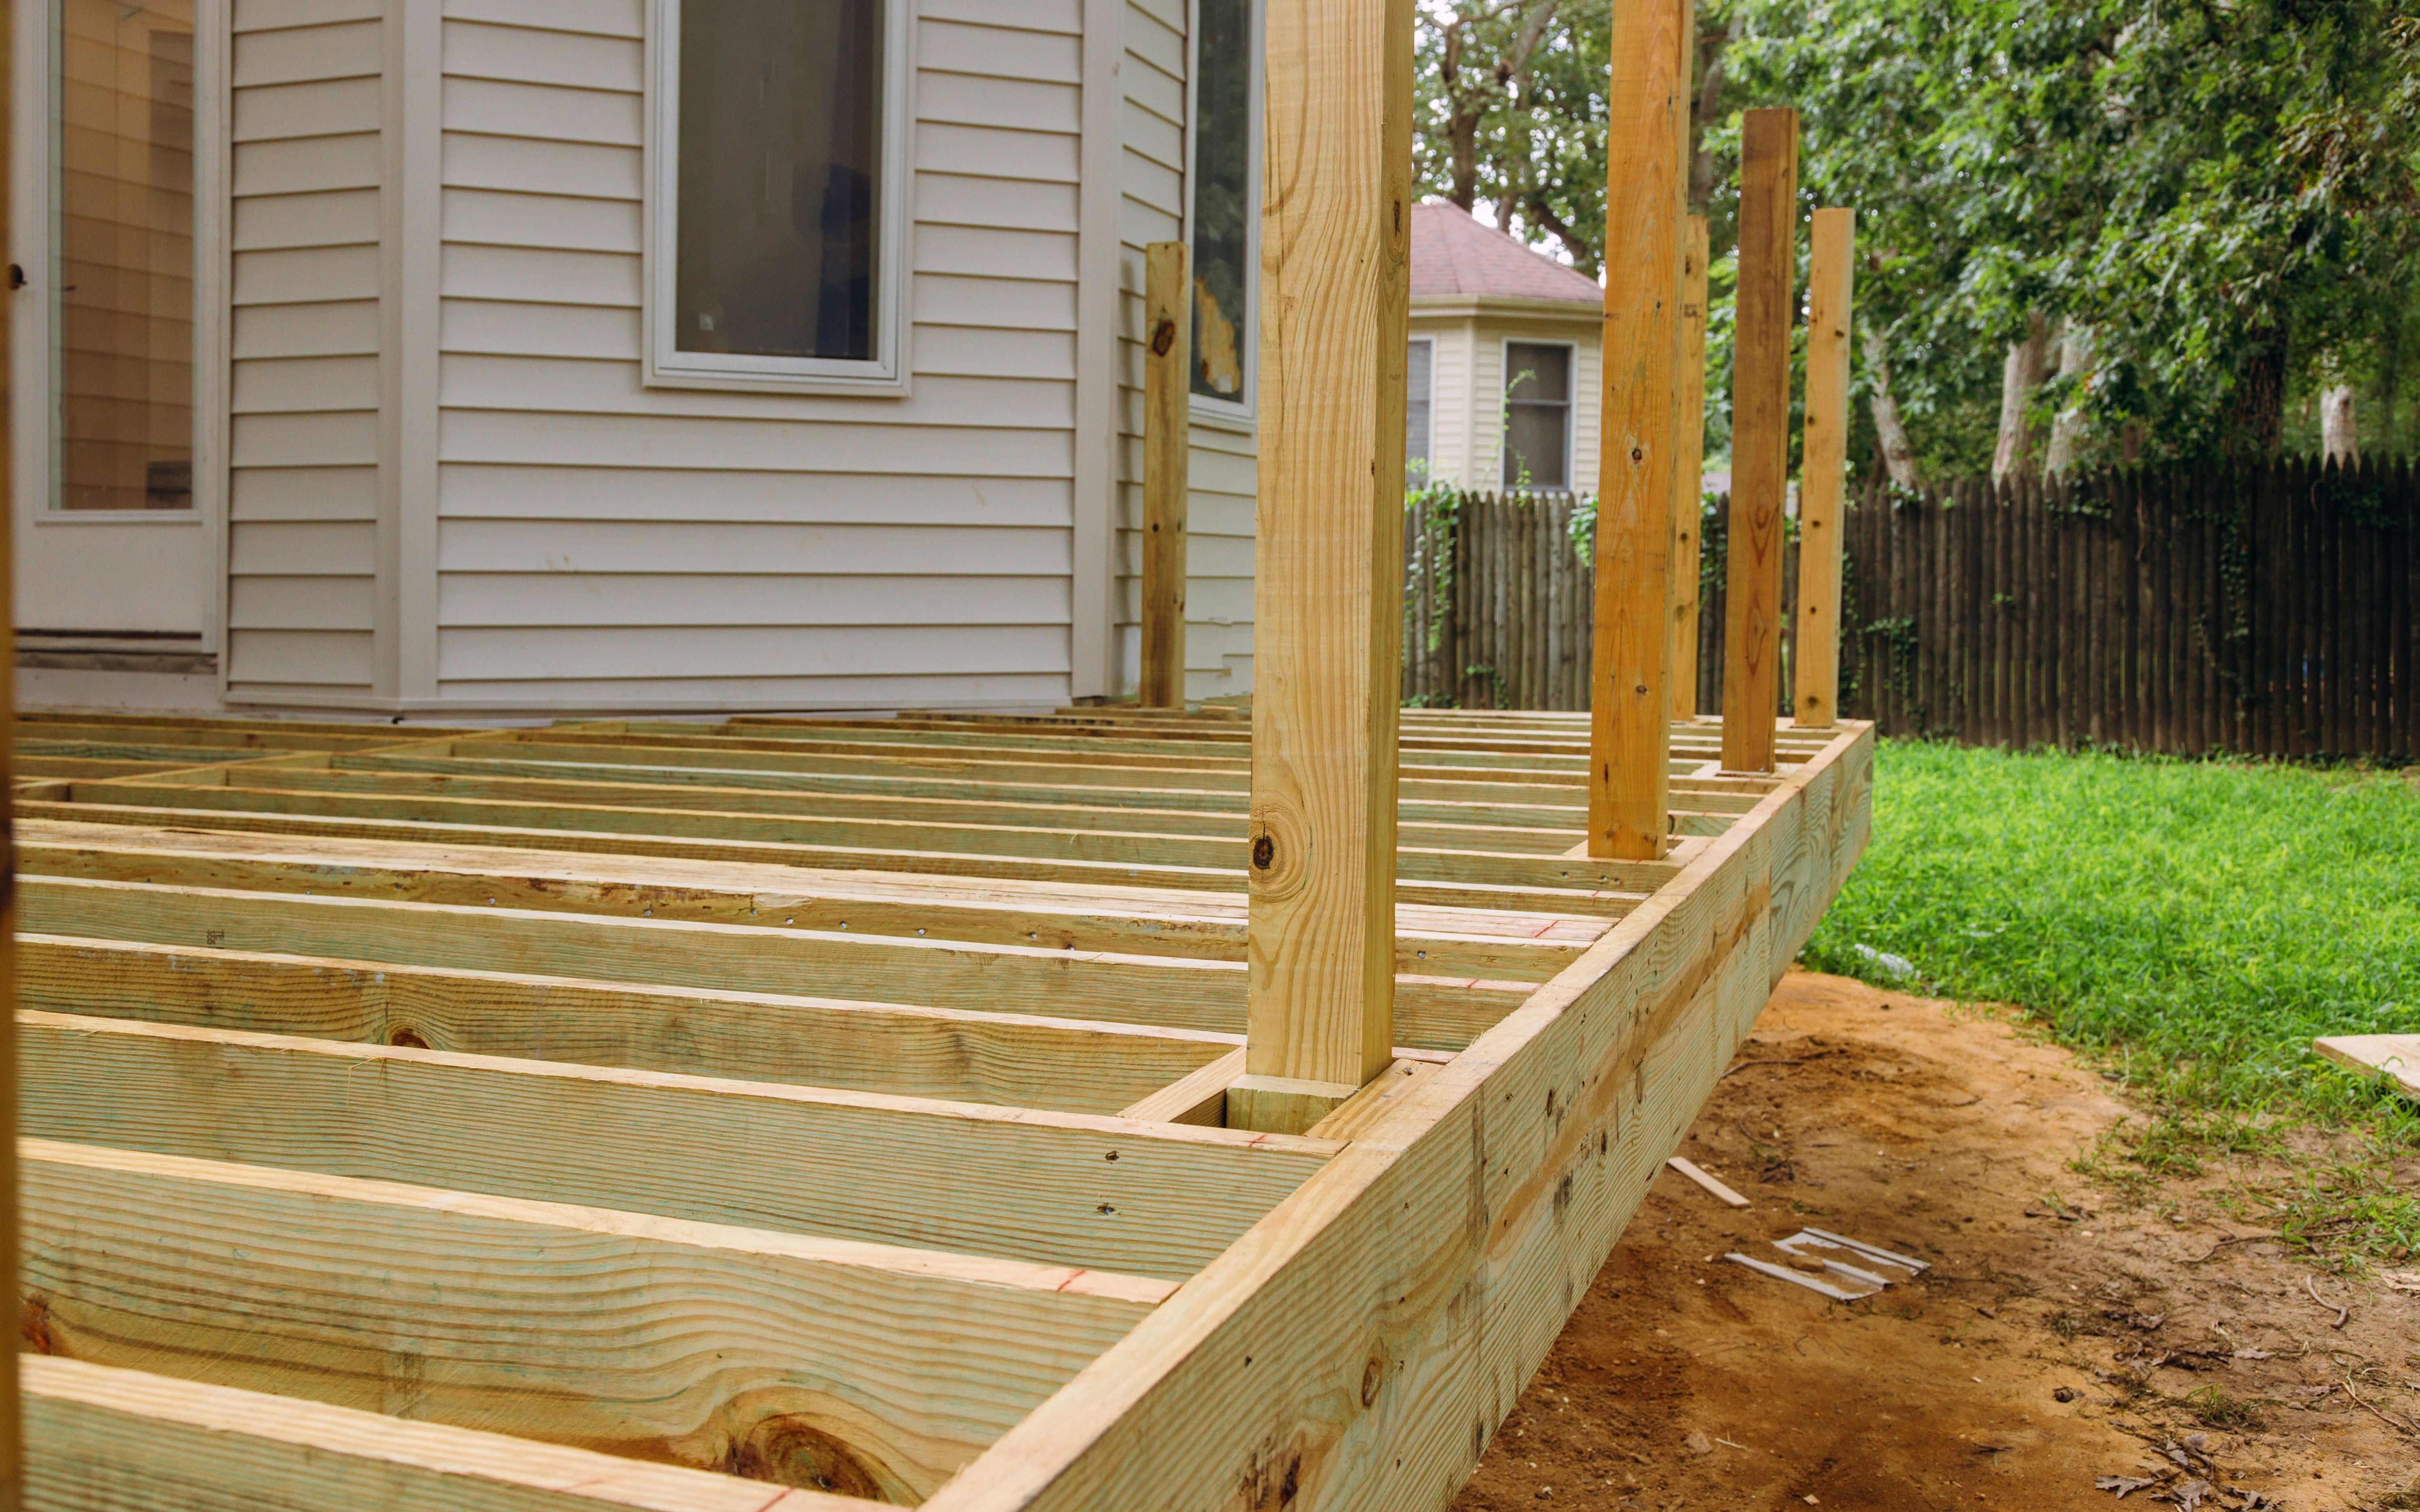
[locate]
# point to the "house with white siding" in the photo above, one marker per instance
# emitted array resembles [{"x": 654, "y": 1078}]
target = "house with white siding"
[
  {"x": 1505, "y": 355},
  {"x": 431, "y": 357}
]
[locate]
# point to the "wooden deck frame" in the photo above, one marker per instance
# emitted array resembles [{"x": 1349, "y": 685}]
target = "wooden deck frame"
[{"x": 302, "y": 988}]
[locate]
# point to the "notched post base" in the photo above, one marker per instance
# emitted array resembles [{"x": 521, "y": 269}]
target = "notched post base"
[{"x": 1282, "y": 1104}]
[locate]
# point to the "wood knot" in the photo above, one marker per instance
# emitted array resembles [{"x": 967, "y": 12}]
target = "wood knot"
[
  {"x": 1265, "y": 851},
  {"x": 787, "y": 1449},
  {"x": 1163, "y": 337}
]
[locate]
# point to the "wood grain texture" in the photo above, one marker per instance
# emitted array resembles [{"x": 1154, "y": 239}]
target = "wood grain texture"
[
  {"x": 875, "y": 1368},
  {"x": 1013, "y": 1058},
  {"x": 1638, "y": 472},
  {"x": 1437, "y": 1013},
  {"x": 1198, "y": 1098},
  {"x": 1328, "y": 594},
  {"x": 2396, "y": 1057},
  {"x": 1689, "y": 505},
  {"x": 1055, "y": 1189},
  {"x": 1356, "y": 1349},
  {"x": 1157, "y": 922},
  {"x": 1760, "y": 438},
  {"x": 1167, "y": 468},
  {"x": 1824, "y": 465},
  {"x": 111, "y": 1440},
  {"x": 11, "y": 1426}
]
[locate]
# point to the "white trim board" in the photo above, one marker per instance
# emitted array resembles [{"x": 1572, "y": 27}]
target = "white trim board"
[{"x": 664, "y": 364}]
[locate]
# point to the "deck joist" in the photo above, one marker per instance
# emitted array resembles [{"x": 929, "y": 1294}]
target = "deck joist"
[{"x": 654, "y": 1114}]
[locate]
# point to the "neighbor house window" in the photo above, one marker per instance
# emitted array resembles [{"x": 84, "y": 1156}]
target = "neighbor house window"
[
  {"x": 1419, "y": 404},
  {"x": 1225, "y": 214},
  {"x": 1537, "y": 415},
  {"x": 777, "y": 222}
]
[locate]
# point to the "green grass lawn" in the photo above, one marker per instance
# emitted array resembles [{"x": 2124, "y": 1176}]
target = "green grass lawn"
[{"x": 2192, "y": 925}]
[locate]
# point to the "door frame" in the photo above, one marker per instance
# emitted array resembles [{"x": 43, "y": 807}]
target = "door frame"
[{"x": 33, "y": 432}]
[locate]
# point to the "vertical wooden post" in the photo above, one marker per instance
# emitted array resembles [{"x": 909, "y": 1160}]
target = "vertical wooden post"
[
  {"x": 1768, "y": 224},
  {"x": 1167, "y": 425},
  {"x": 1689, "y": 487},
  {"x": 12, "y": 1453},
  {"x": 1629, "y": 700},
  {"x": 1822, "y": 466},
  {"x": 1329, "y": 591}
]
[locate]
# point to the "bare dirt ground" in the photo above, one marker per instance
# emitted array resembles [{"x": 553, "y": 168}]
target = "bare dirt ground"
[{"x": 2066, "y": 1332}]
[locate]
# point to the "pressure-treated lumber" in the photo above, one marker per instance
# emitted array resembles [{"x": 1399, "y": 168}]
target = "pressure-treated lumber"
[
  {"x": 11, "y": 1439},
  {"x": 2396, "y": 1057},
  {"x": 1543, "y": 881},
  {"x": 1436, "y": 1014},
  {"x": 1688, "y": 503},
  {"x": 1167, "y": 450},
  {"x": 1055, "y": 1189},
  {"x": 1638, "y": 471},
  {"x": 1760, "y": 436},
  {"x": 1197, "y": 1097},
  {"x": 1392, "y": 1310},
  {"x": 1823, "y": 469},
  {"x": 1390, "y": 1301},
  {"x": 1535, "y": 882},
  {"x": 1505, "y": 945},
  {"x": 873, "y": 1370},
  {"x": 1327, "y": 592},
  {"x": 1019, "y": 1059},
  {"x": 108, "y": 1439}
]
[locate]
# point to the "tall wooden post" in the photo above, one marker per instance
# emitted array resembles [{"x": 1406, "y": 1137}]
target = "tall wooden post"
[
  {"x": 1328, "y": 592},
  {"x": 1768, "y": 223},
  {"x": 1166, "y": 423},
  {"x": 12, "y": 1451},
  {"x": 1689, "y": 494},
  {"x": 1638, "y": 478},
  {"x": 1822, "y": 462}
]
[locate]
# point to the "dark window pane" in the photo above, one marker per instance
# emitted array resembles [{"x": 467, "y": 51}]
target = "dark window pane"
[
  {"x": 1416, "y": 401},
  {"x": 780, "y": 117},
  {"x": 1537, "y": 371},
  {"x": 1534, "y": 446},
  {"x": 1222, "y": 198}
]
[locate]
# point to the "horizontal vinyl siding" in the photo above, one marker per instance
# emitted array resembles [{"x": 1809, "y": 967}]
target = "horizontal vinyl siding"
[
  {"x": 1151, "y": 203},
  {"x": 303, "y": 383},
  {"x": 601, "y": 541}
]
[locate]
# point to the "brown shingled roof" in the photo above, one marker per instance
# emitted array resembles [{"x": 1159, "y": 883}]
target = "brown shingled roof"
[{"x": 1453, "y": 253}]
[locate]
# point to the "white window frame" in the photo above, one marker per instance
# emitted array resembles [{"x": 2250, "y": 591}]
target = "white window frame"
[
  {"x": 664, "y": 365},
  {"x": 1429, "y": 340},
  {"x": 1504, "y": 403},
  {"x": 1230, "y": 414}
]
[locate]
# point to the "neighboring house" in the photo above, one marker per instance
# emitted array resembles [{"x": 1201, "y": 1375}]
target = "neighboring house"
[
  {"x": 1504, "y": 359},
  {"x": 440, "y": 356}
]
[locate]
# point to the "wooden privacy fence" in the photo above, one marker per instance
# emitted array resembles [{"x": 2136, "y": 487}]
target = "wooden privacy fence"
[
  {"x": 1499, "y": 601},
  {"x": 2263, "y": 610}
]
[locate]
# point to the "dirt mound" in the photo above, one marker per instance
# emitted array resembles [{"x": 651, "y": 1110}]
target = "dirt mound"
[{"x": 2058, "y": 1338}]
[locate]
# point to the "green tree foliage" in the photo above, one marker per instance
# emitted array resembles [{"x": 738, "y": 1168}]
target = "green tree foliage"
[{"x": 2221, "y": 192}]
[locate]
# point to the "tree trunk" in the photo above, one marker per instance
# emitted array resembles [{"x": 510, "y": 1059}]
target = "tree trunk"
[
  {"x": 2020, "y": 375},
  {"x": 1702, "y": 114},
  {"x": 2339, "y": 439},
  {"x": 2069, "y": 431},
  {"x": 2256, "y": 421},
  {"x": 1899, "y": 454}
]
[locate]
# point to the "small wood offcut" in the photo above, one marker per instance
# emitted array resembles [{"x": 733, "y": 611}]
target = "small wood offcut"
[{"x": 637, "y": 1114}]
